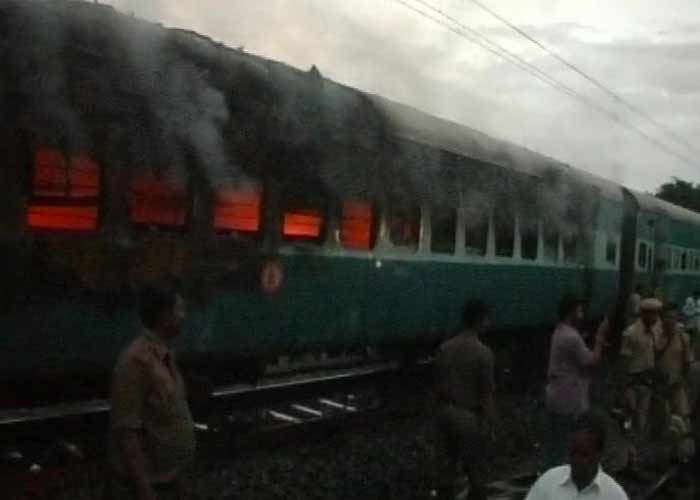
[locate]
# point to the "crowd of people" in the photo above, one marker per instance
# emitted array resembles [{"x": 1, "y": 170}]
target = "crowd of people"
[
  {"x": 152, "y": 441},
  {"x": 658, "y": 377}
]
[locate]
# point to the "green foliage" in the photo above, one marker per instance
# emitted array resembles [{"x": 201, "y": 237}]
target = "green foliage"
[{"x": 681, "y": 193}]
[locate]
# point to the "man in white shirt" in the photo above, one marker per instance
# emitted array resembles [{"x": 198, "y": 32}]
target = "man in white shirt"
[{"x": 583, "y": 478}]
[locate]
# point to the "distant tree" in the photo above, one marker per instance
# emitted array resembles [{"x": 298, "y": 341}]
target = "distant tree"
[{"x": 681, "y": 193}]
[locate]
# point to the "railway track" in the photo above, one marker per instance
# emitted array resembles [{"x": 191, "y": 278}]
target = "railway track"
[
  {"x": 47, "y": 449},
  {"x": 40, "y": 444}
]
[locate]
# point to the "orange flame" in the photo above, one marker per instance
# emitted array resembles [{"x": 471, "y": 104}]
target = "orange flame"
[
  {"x": 237, "y": 211},
  {"x": 302, "y": 223},
  {"x": 65, "y": 181},
  {"x": 356, "y": 225}
]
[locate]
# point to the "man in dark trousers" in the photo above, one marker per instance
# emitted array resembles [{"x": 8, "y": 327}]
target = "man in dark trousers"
[
  {"x": 568, "y": 378},
  {"x": 465, "y": 388},
  {"x": 637, "y": 352},
  {"x": 152, "y": 441},
  {"x": 693, "y": 385}
]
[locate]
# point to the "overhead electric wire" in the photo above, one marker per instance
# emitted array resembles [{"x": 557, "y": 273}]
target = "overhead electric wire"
[
  {"x": 617, "y": 97},
  {"x": 492, "y": 47},
  {"x": 537, "y": 73},
  {"x": 532, "y": 70}
]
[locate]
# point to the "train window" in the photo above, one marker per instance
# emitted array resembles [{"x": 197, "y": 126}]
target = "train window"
[
  {"x": 357, "y": 225},
  {"x": 528, "y": 238},
  {"x": 642, "y": 255},
  {"x": 237, "y": 211},
  {"x": 55, "y": 217},
  {"x": 303, "y": 216},
  {"x": 404, "y": 226},
  {"x": 611, "y": 251},
  {"x": 443, "y": 221},
  {"x": 65, "y": 192},
  {"x": 158, "y": 201},
  {"x": 570, "y": 247},
  {"x": 650, "y": 258},
  {"x": 477, "y": 235},
  {"x": 551, "y": 243},
  {"x": 676, "y": 260},
  {"x": 302, "y": 224},
  {"x": 696, "y": 262},
  {"x": 504, "y": 223},
  {"x": 684, "y": 261}
]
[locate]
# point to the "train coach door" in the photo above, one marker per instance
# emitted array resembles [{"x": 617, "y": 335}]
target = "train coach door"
[
  {"x": 658, "y": 260},
  {"x": 628, "y": 249},
  {"x": 396, "y": 288}
]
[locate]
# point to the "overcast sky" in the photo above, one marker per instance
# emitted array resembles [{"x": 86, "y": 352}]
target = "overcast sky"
[{"x": 648, "y": 51}]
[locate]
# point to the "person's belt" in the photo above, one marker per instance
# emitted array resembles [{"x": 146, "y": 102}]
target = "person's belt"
[
  {"x": 476, "y": 410},
  {"x": 644, "y": 377},
  {"x": 125, "y": 481}
]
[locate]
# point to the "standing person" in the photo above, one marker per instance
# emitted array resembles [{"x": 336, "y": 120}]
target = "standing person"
[
  {"x": 691, "y": 312},
  {"x": 465, "y": 390},
  {"x": 569, "y": 376},
  {"x": 637, "y": 351},
  {"x": 152, "y": 439},
  {"x": 674, "y": 355},
  {"x": 633, "y": 303},
  {"x": 583, "y": 477},
  {"x": 693, "y": 387}
]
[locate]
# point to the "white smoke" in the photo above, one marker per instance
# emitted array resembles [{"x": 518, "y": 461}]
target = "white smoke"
[{"x": 323, "y": 130}]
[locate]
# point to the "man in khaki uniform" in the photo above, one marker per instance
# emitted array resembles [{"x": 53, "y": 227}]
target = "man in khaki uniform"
[
  {"x": 152, "y": 439},
  {"x": 464, "y": 386},
  {"x": 637, "y": 351},
  {"x": 676, "y": 355},
  {"x": 693, "y": 387}
]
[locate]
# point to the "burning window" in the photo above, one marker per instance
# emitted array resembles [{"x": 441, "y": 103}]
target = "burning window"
[
  {"x": 302, "y": 224},
  {"x": 356, "y": 225},
  {"x": 65, "y": 192},
  {"x": 237, "y": 211},
  {"x": 158, "y": 201},
  {"x": 303, "y": 217},
  {"x": 72, "y": 218}
]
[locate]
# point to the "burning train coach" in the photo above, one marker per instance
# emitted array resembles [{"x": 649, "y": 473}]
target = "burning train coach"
[{"x": 301, "y": 215}]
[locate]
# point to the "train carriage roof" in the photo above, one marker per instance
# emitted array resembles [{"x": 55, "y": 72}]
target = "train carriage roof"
[
  {"x": 412, "y": 124},
  {"x": 407, "y": 122},
  {"x": 650, "y": 203}
]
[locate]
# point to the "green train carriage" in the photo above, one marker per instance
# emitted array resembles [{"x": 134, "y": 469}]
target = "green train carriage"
[
  {"x": 667, "y": 258},
  {"x": 353, "y": 221}
]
